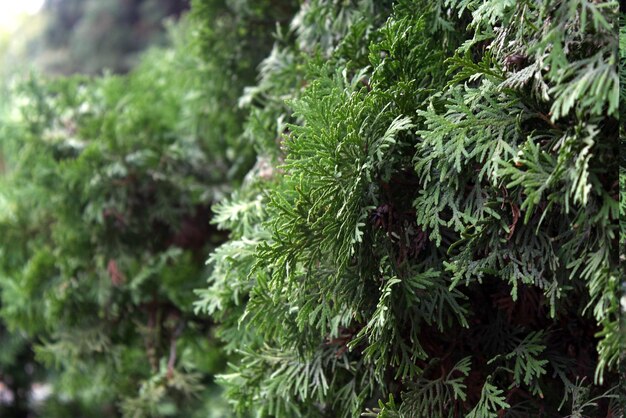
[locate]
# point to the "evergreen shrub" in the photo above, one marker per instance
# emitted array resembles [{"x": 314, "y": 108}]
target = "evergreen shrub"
[
  {"x": 431, "y": 227},
  {"x": 104, "y": 208},
  {"x": 415, "y": 213}
]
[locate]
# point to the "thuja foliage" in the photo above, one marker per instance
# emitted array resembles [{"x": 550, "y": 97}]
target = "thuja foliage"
[
  {"x": 622, "y": 210},
  {"x": 104, "y": 209},
  {"x": 431, "y": 227}
]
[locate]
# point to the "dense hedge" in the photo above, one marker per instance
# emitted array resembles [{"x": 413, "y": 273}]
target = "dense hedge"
[
  {"x": 436, "y": 231},
  {"x": 104, "y": 223},
  {"x": 414, "y": 214}
]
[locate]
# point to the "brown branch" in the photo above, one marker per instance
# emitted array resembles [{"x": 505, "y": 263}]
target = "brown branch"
[{"x": 171, "y": 361}]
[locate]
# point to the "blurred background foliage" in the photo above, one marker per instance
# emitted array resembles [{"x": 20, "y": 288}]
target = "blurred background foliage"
[
  {"x": 87, "y": 36},
  {"x": 119, "y": 128}
]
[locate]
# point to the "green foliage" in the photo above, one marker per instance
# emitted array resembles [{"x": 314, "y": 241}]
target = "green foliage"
[
  {"x": 105, "y": 223},
  {"x": 415, "y": 214},
  {"x": 439, "y": 397},
  {"x": 615, "y": 343},
  {"x": 432, "y": 219}
]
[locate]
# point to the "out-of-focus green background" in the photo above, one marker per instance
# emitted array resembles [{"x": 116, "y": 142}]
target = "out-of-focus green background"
[
  {"x": 86, "y": 36},
  {"x": 65, "y": 38}
]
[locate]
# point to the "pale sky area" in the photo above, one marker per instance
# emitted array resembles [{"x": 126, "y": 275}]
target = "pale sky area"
[{"x": 12, "y": 10}]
